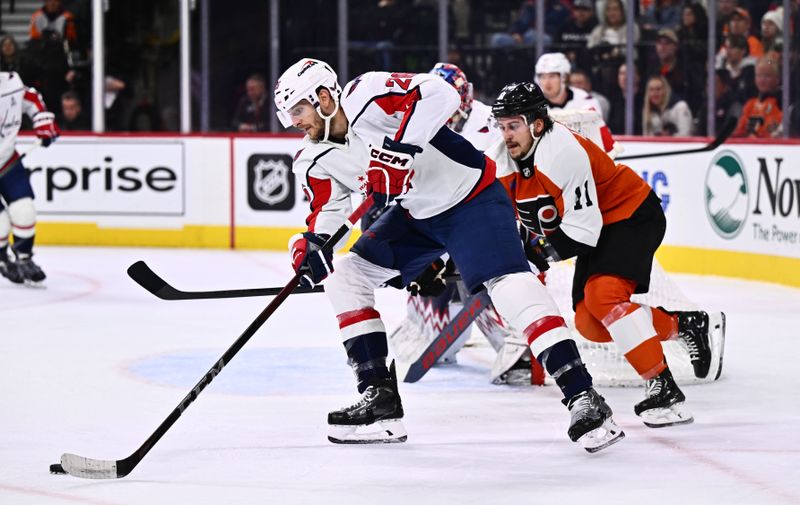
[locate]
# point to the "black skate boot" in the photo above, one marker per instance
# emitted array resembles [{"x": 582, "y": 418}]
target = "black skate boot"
[
  {"x": 376, "y": 418},
  {"x": 693, "y": 330},
  {"x": 9, "y": 269},
  {"x": 30, "y": 271},
  {"x": 591, "y": 424},
  {"x": 664, "y": 403}
]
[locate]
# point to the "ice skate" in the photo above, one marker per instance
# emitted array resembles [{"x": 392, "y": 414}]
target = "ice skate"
[
  {"x": 512, "y": 365},
  {"x": 31, "y": 273},
  {"x": 664, "y": 403},
  {"x": 10, "y": 270},
  {"x": 591, "y": 424},
  {"x": 376, "y": 418},
  {"x": 693, "y": 331}
]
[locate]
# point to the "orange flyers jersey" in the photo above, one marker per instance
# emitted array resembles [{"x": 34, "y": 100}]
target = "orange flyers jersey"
[{"x": 574, "y": 186}]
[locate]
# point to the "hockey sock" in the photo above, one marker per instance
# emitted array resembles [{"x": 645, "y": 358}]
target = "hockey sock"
[
  {"x": 589, "y": 326},
  {"x": 23, "y": 246},
  {"x": 367, "y": 355},
  {"x": 666, "y": 324},
  {"x": 565, "y": 366}
]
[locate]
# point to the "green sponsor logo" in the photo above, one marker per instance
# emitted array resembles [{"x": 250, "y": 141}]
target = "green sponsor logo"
[{"x": 726, "y": 194}]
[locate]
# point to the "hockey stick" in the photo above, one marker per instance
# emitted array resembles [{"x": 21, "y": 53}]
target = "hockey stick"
[
  {"x": 722, "y": 136},
  {"x": 89, "y": 468},
  {"x": 473, "y": 307},
  {"x": 149, "y": 280},
  {"x": 144, "y": 276}
]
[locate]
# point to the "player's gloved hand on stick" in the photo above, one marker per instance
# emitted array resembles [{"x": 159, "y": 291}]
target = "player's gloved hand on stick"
[
  {"x": 389, "y": 172},
  {"x": 45, "y": 127},
  {"x": 431, "y": 282},
  {"x": 534, "y": 249},
  {"x": 309, "y": 259}
]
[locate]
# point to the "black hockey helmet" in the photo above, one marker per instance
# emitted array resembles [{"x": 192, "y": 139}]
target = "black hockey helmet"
[{"x": 520, "y": 99}]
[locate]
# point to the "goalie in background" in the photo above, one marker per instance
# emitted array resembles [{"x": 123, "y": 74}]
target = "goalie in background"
[
  {"x": 574, "y": 201},
  {"x": 17, "y": 213}
]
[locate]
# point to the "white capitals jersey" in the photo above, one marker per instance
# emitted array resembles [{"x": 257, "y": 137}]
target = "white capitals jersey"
[
  {"x": 15, "y": 99},
  {"x": 479, "y": 127},
  {"x": 408, "y": 108}
]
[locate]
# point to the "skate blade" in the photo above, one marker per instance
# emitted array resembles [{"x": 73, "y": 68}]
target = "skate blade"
[
  {"x": 381, "y": 432},
  {"x": 35, "y": 284},
  {"x": 716, "y": 324},
  {"x": 673, "y": 415},
  {"x": 518, "y": 377},
  {"x": 599, "y": 438}
]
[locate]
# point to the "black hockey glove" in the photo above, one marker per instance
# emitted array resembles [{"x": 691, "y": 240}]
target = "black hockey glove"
[
  {"x": 309, "y": 259},
  {"x": 431, "y": 282},
  {"x": 534, "y": 246}
]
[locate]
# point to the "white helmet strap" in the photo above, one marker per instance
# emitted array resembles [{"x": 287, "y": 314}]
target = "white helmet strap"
[{"x": 327, "y": 119}]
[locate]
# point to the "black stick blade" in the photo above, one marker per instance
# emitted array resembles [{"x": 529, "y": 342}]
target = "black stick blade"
[{"x": 146, "y": 278}]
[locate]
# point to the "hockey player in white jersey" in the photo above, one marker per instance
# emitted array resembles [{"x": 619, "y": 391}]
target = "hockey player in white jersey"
[
  {"x": 552, "y": 75},
  {"x": 447, "y": 199},
  {"x": 433, "y": 302},
  {"x": 17, "y": 212}
]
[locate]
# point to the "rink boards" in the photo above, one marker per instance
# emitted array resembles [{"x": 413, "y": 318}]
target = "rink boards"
[{"x": 734, "y": 211}]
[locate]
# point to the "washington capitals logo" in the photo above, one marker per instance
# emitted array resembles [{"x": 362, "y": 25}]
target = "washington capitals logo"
[{"x": 306, "y": 66}]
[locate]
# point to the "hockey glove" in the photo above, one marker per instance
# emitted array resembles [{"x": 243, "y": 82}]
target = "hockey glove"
[
  {"x": 45, "y": 127},
  {"x": 535, "y": 249},
  {"x": 389, "y": 172},
  {"x": 431, "y": 282},
  {"x": 309, "y": 259}
]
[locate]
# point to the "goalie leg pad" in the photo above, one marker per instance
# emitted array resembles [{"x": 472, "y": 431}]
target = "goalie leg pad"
[{"x": 5, "y": 226}]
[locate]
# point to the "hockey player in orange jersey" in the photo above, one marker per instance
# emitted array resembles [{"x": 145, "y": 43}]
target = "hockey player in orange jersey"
[{"x": 572, "y": 200}]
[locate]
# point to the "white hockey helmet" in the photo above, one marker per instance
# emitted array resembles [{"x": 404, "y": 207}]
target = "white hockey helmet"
[
  {"x": 301, "y": 82},
  {"x": 552, "y": 63}
]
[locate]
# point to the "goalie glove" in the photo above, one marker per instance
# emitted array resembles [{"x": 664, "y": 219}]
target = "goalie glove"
[
  {"x": 431, "y": 282},
  {"x": 309, "y": 259},
  {"x": 45, "y": 127},
  {"x": 389, "y": 172}
]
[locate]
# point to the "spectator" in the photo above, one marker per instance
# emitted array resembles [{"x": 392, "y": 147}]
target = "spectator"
[
  {"x": 762, "y": 116},
  {"x": 693, "y": 33},
  {"x": 663, "y": 114},
  {"x": 772, "y": 30},
  {"x": 251, "y": 113},
  {"x": 660, "y": 15},
  {"x": 53, "y": 21},
  {"x": 726, "y": 103},
  {"x": 580, "y": 79},
  {"x": 740, "y": 66},
  {"x": 794, "y": 120},
  {"x": 12, "y": 59},
  {"x": 573, "y": 37},
  {"x": 607, "y": 42},
  {"x": 379, "y": 28},
  {"x": 677, "y": 72},
  {"x": 523, "y": 30},
  {"x": 73, "y": 117},
  {"x": 740, "y": 25},
  {"x": 616, "y": 120},
  {"x": 725, "y": 9}
]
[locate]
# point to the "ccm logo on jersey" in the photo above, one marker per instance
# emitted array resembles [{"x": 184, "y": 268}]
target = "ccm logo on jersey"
[{"x": 388, "y": 158}]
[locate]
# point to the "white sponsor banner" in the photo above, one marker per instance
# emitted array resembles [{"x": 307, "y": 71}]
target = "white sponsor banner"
[
  {"x": 740, "y": 197},
  {"x": 109, "y": 177}
]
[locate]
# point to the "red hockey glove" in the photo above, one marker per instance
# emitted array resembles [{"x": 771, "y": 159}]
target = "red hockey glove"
[
  {"x": 309, "y": 259},
  {"x": 45, "y": 127},
  {"x": 389, "y": 172}
]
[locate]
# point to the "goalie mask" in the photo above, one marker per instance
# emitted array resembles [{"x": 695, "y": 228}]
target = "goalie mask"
[
  {"x": 456, "y": 77},
  {"x": 301, "y": 82}
]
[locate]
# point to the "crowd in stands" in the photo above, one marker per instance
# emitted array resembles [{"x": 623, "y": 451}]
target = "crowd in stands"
[{"x": 493, "y": 41}]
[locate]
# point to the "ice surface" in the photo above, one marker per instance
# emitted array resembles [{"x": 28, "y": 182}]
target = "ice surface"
[{"x": 94, "y": 363}]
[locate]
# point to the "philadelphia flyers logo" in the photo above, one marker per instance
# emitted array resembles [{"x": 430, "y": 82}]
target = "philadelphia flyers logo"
[{"x": 540, "y": 214}]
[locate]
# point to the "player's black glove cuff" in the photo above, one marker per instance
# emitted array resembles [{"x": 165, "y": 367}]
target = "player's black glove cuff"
[
  {"x": 536, "y": 249},
  {"x": 432, "y": 281}
]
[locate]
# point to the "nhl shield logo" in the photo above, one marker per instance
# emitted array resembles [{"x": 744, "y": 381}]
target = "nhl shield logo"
[{"x": 271, "y": 183}]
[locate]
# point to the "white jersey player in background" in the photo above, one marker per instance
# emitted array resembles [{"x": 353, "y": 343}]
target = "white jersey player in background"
[
  {"x": 448, "y": 200},
  {"x": 17, "y": 213},
  {"x": 433, "y": 303},
  {"x": 572, "y": 106}
]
